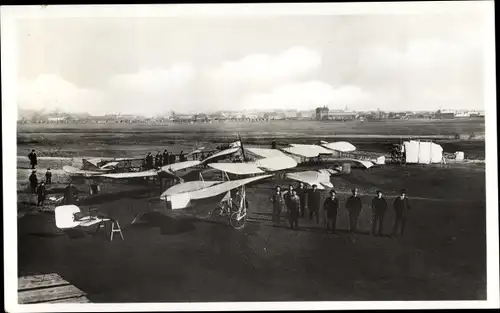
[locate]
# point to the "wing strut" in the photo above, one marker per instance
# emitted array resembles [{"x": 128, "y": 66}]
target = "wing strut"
[{"x": 242, "y": 149}]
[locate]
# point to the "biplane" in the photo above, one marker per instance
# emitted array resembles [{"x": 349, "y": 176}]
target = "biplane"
[
  {"x": 240, "y": 167},
  {"x": 96, "y": 166},
  {"x": 259, "y": 164}
]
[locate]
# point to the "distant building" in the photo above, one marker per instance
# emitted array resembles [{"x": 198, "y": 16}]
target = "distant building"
[
  {"x": 341, "y": 116},
  {"x": 56, "y": 118},
  {"x": 183, "y": 118},
  {"x": 321, "y": 113},
  {"x": 476, "y": 114},
  {"x": 443, "y": 114},
  {"x": 462, "y": 114}
]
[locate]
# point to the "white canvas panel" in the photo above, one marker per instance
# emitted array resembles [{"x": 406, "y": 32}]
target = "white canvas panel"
[
  {"x": 424, "y": 153},
  {"x": 411, "y": 151}
]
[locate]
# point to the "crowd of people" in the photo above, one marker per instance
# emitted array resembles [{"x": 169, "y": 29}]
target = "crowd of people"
[
  {"x": 39, "y": 188},
  {"x": 166, "y": 158},
  {"x": 295, "y": 201}
]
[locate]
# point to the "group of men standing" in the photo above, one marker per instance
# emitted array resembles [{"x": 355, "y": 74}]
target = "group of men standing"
[
  {"x": 161, "y": 159},
  {"x": 294, "y": 201},
  {"x": 39, "y": 188}
]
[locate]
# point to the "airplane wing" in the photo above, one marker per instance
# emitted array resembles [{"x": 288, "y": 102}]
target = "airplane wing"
[
  {"x": 131, "y": 174},
  {"x": 180, "y": 166},
  {"x": 109, "y": 165},
  {"x": 363, "y": 163},
  {"x": 276, "y": 163},
  {"x": 307, "y": 151},
  {"x": 266, "y": 153},
  {"x": 187, "y": 187},
  {"x": 127, "y": 159},
  {"x": 342, "y": 146},
  {"x": 223, "y": 187},
  {"x": 237, "y": 168},
  {"x": 77, "y": 172},
  {"x": 319, "y": 178},
  {"x": 222, "y": 153},
  {"x": 199, "y": 150}
]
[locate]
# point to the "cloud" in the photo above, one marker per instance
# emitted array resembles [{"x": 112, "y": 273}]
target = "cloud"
[
  {"x": 306, "y": 96},
  {"x": 264, "y": 68},
  {"x": 419, "y": 57},
  {"x": 423, "y": 74},
  {"x": 50, "y": 92},
  {"x": 151, "y": 91},
  {"x": 154, "y": 80},
  {"x": 257, "y": 74}
]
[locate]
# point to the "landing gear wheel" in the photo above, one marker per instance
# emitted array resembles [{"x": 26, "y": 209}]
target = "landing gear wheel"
[
  {"x": 233, "y": 220},
  {"x": 403, "y": 161}
]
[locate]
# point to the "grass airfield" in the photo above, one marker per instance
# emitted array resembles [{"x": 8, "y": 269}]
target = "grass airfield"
[{"x": 189, "y": 257}]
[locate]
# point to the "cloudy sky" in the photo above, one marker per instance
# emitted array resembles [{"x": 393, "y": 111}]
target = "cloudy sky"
[{"x": 154, "y": 65}]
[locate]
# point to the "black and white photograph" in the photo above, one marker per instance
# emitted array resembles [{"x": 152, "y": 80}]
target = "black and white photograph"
[{"x": 322, "y": 156}]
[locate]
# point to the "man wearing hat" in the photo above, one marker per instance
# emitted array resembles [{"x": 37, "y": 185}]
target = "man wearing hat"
[
  {"x": 158, "y": 160},
  {"x": 165, "y": 157},
  {"x": 353, "y": 206},
  {"x": 149, "y": 161},
  {"x": 33, "y": 158},
  {"x": 33, "y": 181},
  {"x": 313, "y": 202},
  {"x": 70, "y": 194},
  {"x": 42, "y": 192},
  {"x": 331, "y": 206},
  {"x": 379, "y": 207},
  {"x": 401, "y": 207},
  {"x": 301, "y": 192},
  {"x": 294, "y": 209},
  {"x": 48, "y": 177}
]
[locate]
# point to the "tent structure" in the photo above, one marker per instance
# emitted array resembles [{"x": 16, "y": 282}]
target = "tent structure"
[{"x": 422, "y": 152}]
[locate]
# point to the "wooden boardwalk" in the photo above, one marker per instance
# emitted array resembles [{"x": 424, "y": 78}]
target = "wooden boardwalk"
[{"x": 48, "y": 288}]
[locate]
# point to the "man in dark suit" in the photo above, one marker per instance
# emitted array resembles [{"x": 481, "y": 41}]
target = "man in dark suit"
[
  {"x": 42, "y": 192},
  {"x": 33, "y": 181},
  {"x": 354, "y": 206},
  {"x": 313, "y": 202},
  {"x": 149, "y": 161},
  {"x": 302, "y": 192},
  {"x": 70, "y": 194},
  {"x": 379, "y": 207},
  {"x": 278, "y": 203},
  {"x": 33, "y": 159},
  {"x": 331, "y": 206},
  {"x": 401, "y": 208},
  {"x": 287, "y": 195},
  {"x": 293, "y": 210},
  {"x": 48, "y": 177},
  {"x": 165, "y": 158},
  {"x": 158, "y": 160}
]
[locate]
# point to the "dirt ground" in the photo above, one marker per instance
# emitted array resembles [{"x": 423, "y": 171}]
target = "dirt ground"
[
  {"x": 118, "y": 140},
  {"x": 188, "y": 257}
]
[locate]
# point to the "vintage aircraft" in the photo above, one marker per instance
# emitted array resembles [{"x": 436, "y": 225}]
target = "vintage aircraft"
[
  {"x": 97, "y": 166},
  {"x": 260, "y": 164},
  {"x": 337, "y": 154}
]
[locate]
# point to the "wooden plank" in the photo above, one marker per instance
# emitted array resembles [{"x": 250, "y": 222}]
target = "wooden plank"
[
  {"x": 47, "y": 294},
  {"x": 40, "y": 281},
  {"x": 71, "y": 300}
]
